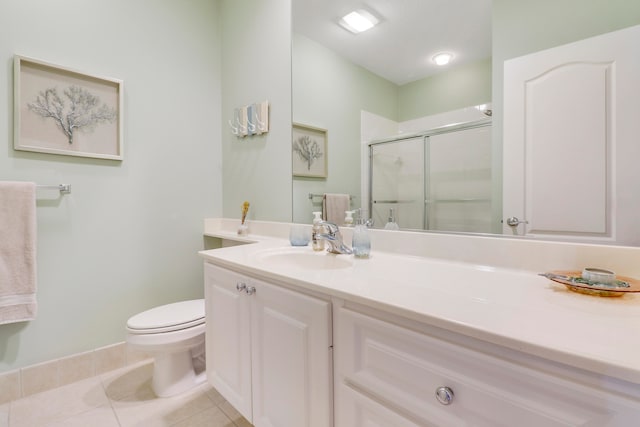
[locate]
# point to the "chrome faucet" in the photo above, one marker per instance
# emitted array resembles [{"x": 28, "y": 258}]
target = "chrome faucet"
[{"x": 334, "y": 238}]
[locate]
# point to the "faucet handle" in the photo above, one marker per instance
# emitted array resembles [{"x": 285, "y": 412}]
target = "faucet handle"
[{"x": 332, "y": 227}]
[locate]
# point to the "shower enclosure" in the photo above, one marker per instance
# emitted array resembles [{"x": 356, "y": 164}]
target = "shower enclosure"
[{"x": 439, "y": 179}]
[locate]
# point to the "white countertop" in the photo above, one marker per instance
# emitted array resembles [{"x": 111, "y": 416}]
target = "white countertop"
[{"x": 514, "y": 308}]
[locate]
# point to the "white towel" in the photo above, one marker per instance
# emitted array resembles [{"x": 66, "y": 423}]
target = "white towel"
[
  {"x": 334, "y": 207},
  {"x": 17, "y": 252}
]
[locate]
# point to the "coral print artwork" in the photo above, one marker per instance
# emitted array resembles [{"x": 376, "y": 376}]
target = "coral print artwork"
[
  {"x": 61, "y": 111},
  {"x": 309, "y": 151}
]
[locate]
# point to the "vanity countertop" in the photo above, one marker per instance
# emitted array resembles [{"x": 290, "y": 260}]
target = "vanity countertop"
[{"x": 510, "y": 307}]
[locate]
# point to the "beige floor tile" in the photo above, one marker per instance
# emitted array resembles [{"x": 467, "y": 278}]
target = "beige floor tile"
[
  {"x": 143, "y": 409},
  {"x": 212, "y": 417},
  {"x": 134, "y": 381},
  {"x": 58, "y": 404},
  {"x": 242, "y": 422},
  {"x": 121, "y": 398},
  {"x": 217, "y": 398},
  {"x": 102, "y": 416},
  {"x": 235, "y": 416}
]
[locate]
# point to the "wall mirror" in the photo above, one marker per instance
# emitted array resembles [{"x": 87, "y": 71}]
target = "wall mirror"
[{"x": 382, "y": 84}]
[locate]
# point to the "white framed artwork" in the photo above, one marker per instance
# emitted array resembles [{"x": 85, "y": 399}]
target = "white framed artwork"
[
  {"x": 309, "y": 151},
  {"x": 58, "y": 110}
]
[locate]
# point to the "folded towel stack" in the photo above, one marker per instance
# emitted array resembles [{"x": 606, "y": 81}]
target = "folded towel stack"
[{"x": 17, "y": 252}]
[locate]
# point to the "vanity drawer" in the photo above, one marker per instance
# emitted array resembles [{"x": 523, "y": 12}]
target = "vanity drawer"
[
  {"x": 402, "y": 369},
  {"x": 355, "y": 409}
]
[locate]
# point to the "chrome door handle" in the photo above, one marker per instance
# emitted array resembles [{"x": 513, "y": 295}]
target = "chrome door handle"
[
  {"x": 241, "y": 286},
  {"x": 251, "y": 290},
  {"x": 514, "y": 221}
]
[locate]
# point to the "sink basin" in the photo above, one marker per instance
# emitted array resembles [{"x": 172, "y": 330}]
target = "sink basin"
[{"x": 304, "y": 259}]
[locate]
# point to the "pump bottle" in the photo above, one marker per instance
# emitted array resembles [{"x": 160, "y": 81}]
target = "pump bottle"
[
  {"x": 392, "y": 224},
  {"x": 317, "y": 228},
  {"x": 361, "y": 241}
]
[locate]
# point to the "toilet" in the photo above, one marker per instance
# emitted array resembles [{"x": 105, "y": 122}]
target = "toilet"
[{"x": 173, "y": 335}]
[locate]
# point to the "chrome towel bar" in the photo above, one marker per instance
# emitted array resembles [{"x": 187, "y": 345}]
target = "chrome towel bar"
[
  {"x": 312, "y": 195},
  {"x": 63, "y": 188}
]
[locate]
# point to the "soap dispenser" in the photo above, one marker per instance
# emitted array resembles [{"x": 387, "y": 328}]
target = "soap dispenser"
[
  {"x": 361, "y": 241},
  {"x": 317, "y": 244},
  {"x": 348, "y": 219},
  {"x": 391, "y": 225}
]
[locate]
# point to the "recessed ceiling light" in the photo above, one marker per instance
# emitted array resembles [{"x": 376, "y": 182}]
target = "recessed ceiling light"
[
  {"x": 442, "y": 58},
  {"x": 359, "y": 21}
]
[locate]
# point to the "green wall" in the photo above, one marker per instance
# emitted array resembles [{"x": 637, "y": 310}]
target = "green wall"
[
  {"x": 329, "y": 92},
  {"x": 460, "y": 87},
  {"x": 256, "y": 66},
  {"x": 126, "y": 238}
]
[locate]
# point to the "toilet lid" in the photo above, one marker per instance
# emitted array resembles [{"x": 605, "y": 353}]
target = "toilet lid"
[{"x": 170, "y": 317}]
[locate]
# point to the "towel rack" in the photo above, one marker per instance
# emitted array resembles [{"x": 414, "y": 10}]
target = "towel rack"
[
  {"x": 312, "y": 195},
  {"x": 63, "y": 188}
]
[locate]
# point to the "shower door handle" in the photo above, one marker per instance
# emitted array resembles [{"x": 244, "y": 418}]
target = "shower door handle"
[{"x": 514, "y": 221}]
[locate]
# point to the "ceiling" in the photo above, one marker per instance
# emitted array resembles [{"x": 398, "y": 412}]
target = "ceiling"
[{"x": 400, "y": 48}]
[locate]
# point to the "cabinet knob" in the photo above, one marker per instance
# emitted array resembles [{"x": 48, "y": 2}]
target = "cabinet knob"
[
  {"x": 241, "y": 286},
  {"x": 444, "y": 395},
  {"x": 251, "y": 290}
]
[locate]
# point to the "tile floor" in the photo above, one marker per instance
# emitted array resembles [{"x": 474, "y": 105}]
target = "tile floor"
[{"x": 120, "y": 398}]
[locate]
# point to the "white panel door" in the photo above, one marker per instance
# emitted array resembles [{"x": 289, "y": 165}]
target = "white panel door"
[
  {"x": 228, "y": 337},
  {"x": 571, "y": 140},
  {"x": 291, "y": 348}
]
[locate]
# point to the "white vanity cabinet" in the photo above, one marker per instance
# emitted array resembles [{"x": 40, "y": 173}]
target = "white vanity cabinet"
[
  {"x": 268, "y": 350},
  {"x": 393, "y": 372}
]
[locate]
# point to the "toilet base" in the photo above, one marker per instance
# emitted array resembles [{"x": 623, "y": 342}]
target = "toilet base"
[{"x": 174, "y": 373}]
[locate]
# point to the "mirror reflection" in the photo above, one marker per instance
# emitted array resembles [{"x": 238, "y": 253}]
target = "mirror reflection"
[
  {"x": 384, "y": 104},
  {"x": 364, "y": 87},
  {"x": 438, "y": 180}
]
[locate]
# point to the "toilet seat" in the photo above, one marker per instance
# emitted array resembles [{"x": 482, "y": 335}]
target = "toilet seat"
[{"x": 168, "y": 318}]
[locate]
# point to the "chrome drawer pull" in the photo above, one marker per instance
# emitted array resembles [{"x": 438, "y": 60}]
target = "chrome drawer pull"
[
  {"x": 444, "y": 395},
  {"x": 251, "y": 290},
  {"x": 241, "y": 286}
]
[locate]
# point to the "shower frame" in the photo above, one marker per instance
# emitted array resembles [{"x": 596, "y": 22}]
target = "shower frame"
[{"x": 455, "y": 127}]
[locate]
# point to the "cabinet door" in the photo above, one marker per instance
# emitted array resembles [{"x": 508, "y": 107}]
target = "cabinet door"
[
  {"x": 228, "y": 337},
  {"x": 291, "y": 342}
]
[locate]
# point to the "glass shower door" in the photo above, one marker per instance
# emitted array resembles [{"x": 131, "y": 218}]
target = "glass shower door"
[
  {"x": 458, "y": 181},
  {"x": 397, "y": 182}
]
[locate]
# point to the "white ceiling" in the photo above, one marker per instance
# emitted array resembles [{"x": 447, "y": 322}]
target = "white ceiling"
[{"x": 411, "y": 32}]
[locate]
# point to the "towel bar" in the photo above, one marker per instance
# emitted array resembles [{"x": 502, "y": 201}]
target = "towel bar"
[
  {"x": 63, "y": 188},
  {"x": 312, "y": 195}
]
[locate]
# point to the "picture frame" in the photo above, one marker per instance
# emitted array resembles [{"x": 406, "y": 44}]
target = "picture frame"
[
  {"x": 309, "y": 151},
  {"x": 58, "y": 110}
]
